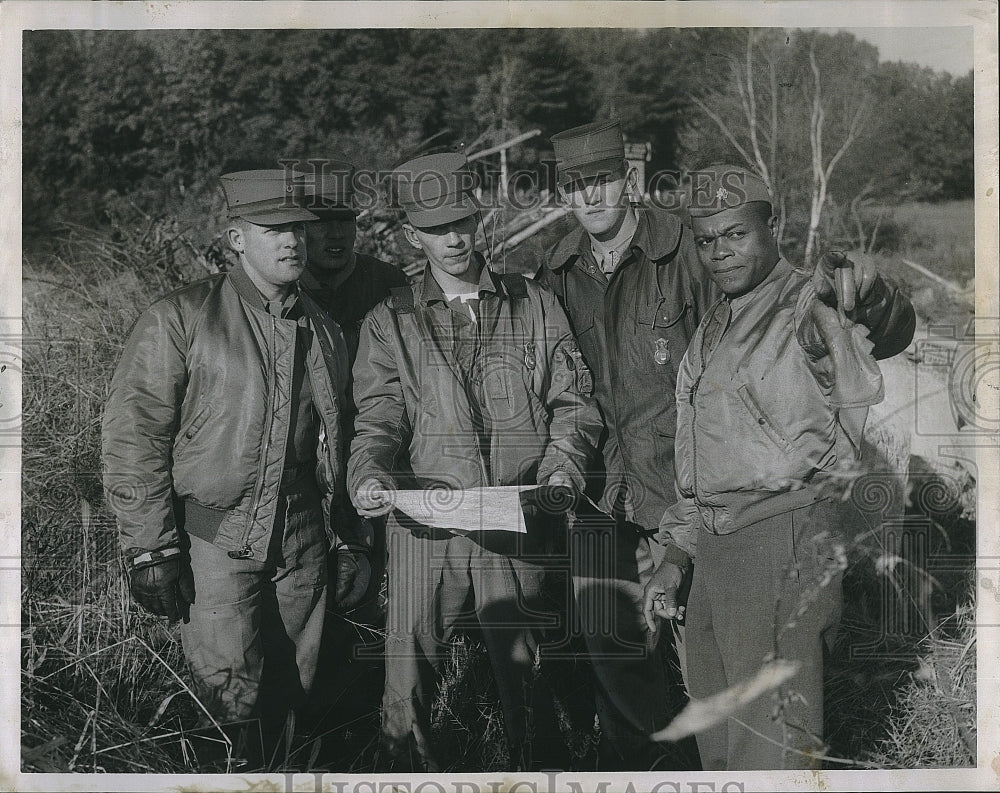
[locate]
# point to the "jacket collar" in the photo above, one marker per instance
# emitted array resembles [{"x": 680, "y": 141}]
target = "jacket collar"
[
  {"x": 657, "y": 235},
  {"x": 430, "y": 289},
  {"x": 782, "y": 269},
  {"x": 245, "y": 288}
]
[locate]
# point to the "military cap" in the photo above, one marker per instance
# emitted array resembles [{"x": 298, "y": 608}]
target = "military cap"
[
  {"x": 589, "y": 150},
  {"x": 329, "y": 185},
  {"x": 720, "y": 187},
  {"x": 264, "y": 197},
  {"x": 435, "y": 189}
]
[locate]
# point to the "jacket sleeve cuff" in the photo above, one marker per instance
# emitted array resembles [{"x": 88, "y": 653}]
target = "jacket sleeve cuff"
[
  {"x": 677, "y": 557},
  {"x": 545, "y": 472},
  {"x": 678, "y": 532}
]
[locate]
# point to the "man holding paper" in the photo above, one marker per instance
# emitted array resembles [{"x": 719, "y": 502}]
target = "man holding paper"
[{"x": 470, "y": 381}]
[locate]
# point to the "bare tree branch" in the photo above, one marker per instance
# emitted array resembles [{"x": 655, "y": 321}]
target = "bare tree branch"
[
  {"x": 752, "y": 114},
  {"x": 723, "y": 127}
]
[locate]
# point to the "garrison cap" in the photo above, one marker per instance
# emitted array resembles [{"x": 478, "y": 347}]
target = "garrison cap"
[
  {"x": 435, "y": 189},
  {"x": 720, "y": 187},
  {"x": 264, "y": 197},
  {"x": 589, "y": 150},
  {"x": 329, "y": 186}
]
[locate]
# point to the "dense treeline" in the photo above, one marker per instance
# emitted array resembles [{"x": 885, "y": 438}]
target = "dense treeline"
[{"x": 153, "y": 117}]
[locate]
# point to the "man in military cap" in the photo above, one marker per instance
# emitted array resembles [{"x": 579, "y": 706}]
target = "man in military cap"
[
  {"x": 772, "y": 397},
  {"x": 631, "y": 284},
  {"x": 348, "y": 284},
  {"x": 223, "y": 462},
  {"x": 469, "y": 380}
]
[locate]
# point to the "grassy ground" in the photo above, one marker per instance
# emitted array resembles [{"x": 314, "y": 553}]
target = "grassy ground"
[
  {"x": 104, "y": 688},
  {"x": 940, "y": 237}
]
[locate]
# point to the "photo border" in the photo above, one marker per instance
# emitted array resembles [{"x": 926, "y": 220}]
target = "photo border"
[{"x": 17, "y": 16}]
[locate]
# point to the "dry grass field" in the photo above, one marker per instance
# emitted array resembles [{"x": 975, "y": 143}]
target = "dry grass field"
[{"x": 104, "y": 687}]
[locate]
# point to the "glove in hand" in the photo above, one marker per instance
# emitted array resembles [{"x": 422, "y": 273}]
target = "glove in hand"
[
  {"x": 553, "y": 499},
  {"x": 353, "y": 573},
  {"x": 164, "y": 587}
]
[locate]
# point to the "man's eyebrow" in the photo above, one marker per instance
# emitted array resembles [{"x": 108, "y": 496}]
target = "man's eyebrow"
[{"x": 724, "y": 230}]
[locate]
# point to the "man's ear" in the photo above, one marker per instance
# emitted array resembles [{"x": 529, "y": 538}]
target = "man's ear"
[
  {"x": 235, "y": 238},
  {"x": 632, "y": 190},
  {"x": 772, "y": 224},
  {"x": 411, "y": 236}
]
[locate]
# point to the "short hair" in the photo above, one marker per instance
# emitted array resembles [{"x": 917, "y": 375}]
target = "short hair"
[{"x": 238, "y": 222}]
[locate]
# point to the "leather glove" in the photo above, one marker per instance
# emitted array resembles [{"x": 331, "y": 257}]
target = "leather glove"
[
  {"x": 553, "y": 499},
  {"x": 353, "y": 573},
  {"x": 162, "y": 583}
]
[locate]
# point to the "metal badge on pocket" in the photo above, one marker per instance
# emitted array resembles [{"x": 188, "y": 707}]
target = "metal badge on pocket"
[
  {"x": 662, "y": 354},
  {"x": 529, "y": 355}
]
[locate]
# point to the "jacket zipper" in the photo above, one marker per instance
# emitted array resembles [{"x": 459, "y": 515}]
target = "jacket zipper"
[
  {"x": 614, "y": 399},
  {"x": 245, "y": 552},
  {"x": 481, "y": 397},
  {"x": 694, "y": 435}
]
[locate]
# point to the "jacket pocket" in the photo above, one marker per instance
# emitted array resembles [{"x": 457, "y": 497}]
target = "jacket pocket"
[
  {"x": 185, "y": 437},
  {"x": 665, "y": 316},
  {"x": 764, "y": 421}
]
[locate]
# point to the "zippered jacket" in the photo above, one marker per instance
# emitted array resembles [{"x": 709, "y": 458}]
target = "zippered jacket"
[
  {"x": 633, "y": 329},
  {"x": 199, "y": 413},
  {"x": 513, "y": 412},
  {"x": 770, "y": 413}
]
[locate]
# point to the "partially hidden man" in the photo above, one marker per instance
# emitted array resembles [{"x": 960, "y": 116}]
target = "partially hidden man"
[
  {"x": 471, "y": 379},
  {"x": 772, "y": 398},
  {"x": 223, "y": 461},
  {"x": 630, "y": 281},
  {"x": 345, "y": 282}
]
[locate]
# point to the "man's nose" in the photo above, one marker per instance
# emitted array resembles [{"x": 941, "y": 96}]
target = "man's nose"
[{"x": 721, "y": 248}]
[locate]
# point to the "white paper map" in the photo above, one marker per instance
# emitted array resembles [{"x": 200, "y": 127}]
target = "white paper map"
[{"x": 475, "y": 509}]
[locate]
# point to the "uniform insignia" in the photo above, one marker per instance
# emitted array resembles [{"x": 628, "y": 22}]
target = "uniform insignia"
[
  {"x": 584, "y": 380},
  {"x": 529, "y": 355},
  {"x": 662, "y": 354}
]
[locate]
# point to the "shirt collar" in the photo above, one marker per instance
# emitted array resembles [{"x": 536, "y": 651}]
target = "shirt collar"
[
  {"x": 657, "y": 234},
  {"x": 431, "y": 290},
  {"x": 616, "y": 248},
  {"x": 246, "y": 289}
]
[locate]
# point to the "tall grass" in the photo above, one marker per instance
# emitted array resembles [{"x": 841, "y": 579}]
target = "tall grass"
[
  {"x": 940, "y": 237},
  {"x": 99, "y": 689},
  {"x": 104, "y": 686}
]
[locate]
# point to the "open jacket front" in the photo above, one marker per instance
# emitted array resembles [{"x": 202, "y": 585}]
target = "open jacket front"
[
  {"x": 633, "y": 329},
  {"x": 199, "y": 413},
  {"x": 444, "y": 400}
]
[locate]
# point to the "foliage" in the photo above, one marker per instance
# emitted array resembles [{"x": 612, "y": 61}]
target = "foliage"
[
  {"x": 157, "y": 115},
  {"x": 832, "y": 131},
  {"x": 127, "y": 131}
]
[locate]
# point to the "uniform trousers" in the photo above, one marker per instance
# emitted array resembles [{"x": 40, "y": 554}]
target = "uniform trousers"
[
  {"x": 439, "y": 584},
  {"x": 254, "y": 632},
  {"x": 771, "y": 589},
  {"x": 610, "y": 564}
]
